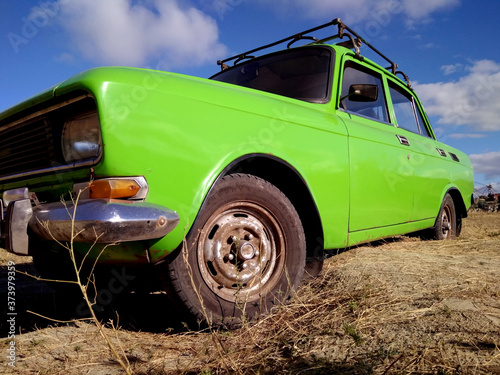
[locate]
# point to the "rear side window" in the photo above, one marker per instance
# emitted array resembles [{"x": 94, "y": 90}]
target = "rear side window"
[
  {"x": 408, "y": 115},
  {"x": 357, "y": 75},
  {"x": 302, "y": 73}
]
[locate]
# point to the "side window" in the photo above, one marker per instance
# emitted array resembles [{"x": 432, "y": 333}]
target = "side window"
[
  {"x": 423, "y": 129},
  {"x": 407, "y": 113},
  {"x": 354, "y": 76}
]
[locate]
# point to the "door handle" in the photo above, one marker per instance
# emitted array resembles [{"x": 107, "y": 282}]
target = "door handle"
[{"x": 403, "y": 140}]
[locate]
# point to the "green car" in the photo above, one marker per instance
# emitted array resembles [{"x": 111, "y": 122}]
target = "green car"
[{"x": 230, "y": 188}]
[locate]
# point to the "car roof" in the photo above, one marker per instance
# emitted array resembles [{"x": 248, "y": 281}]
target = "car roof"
[{"x": 350, "y": 44}]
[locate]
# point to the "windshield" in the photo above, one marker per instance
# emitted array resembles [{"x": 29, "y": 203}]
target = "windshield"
[{"x": 302, "y": 73}]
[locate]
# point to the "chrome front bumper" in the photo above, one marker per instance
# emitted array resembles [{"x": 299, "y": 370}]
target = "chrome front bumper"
[{"x": 93, "y": 220}]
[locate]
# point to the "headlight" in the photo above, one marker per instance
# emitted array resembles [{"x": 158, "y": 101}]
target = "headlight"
[{"x": 81, "y": 138}]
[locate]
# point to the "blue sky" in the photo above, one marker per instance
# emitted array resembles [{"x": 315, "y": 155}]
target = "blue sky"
[{"x": 449, "y": 48}]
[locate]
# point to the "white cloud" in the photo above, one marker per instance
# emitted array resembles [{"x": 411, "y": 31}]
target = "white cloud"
[
  {"x": 450, "y": 69},
  {"x": 487, "y": 164},
  {"x": 423, "y": 8},
  {"x": 349, "y": 10},
  {"x": 66, "y": 58},
  {"x": 471, "y": 101},
  {"x": 467, "y": 136},
  {"x": 429, "y": 46},
  {"x": 174, "y": 32},
  {"x": 122, "y": 32},
  {"x": 373, "y": 13},
  {"x": 220, "y": 7}
]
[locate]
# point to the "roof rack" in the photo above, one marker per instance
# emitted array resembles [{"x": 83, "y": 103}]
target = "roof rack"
[{"x": 352, "y": 43}]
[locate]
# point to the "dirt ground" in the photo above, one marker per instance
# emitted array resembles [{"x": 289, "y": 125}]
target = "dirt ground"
[{"x": 399, "y": 306}]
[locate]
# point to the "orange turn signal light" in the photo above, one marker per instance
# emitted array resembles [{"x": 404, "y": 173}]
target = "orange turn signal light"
[{"x": 109, "y": 188}]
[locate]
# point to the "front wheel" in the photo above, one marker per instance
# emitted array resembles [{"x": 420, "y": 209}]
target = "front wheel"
[{"x": 244, "y": 254}]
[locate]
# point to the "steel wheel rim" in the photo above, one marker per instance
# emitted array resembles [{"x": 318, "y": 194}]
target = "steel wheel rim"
[
  {"x": 240, "y": 252},
  {"x": 446, "y": 221}
]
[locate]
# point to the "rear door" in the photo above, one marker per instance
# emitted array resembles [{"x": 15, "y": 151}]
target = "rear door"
[{"x": 429, "y": 162}]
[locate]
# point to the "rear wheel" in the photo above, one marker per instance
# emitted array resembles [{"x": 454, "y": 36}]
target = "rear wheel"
[
  {"x": 244, "y": 254},
  {"x": 446, "y": 223}
]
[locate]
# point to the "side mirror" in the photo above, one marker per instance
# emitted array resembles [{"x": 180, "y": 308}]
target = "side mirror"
[{"x": 362, "y": 93}]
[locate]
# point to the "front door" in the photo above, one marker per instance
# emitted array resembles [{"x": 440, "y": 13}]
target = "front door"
[{"x": 381, "y": 175}]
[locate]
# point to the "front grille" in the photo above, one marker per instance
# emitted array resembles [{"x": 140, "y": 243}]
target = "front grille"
[
  {"x": 27, "y": 147},
  {"x": 31, "y": 145}
]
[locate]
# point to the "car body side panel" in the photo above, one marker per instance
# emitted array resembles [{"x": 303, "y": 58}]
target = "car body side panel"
[
  {"x": 181, "y": 133},
  {"x": 196, "y": 127},
  {"x": 434, "y": 174},
  {"x": 415, "y": 181},
  {"x": 373, "y": 234}
]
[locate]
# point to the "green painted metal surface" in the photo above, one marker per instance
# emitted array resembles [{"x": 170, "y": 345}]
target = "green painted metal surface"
[{"x": 181, "y": 132}]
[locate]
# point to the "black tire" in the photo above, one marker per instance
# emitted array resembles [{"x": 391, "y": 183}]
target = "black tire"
[
  {"x": 244, "y": 254},
  {"x": 312, "y": 270},
  {"x": 445, "y": 227}
]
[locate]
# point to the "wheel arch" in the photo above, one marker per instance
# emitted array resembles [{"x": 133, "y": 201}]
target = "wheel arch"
[
  {"x": 460, "y": 209},
  {"x": 286, "y": 178}
]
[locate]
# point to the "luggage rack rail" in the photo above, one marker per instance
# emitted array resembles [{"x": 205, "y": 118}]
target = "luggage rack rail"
[{"x": 352, "y": 43}]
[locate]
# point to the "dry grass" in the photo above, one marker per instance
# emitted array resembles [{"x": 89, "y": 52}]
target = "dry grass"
[{"x": 402, "y": 306}]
